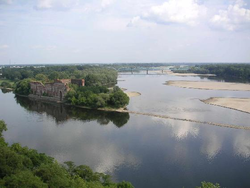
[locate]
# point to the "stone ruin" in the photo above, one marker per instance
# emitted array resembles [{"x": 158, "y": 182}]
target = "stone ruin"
[{"x": 55, "y": 91}]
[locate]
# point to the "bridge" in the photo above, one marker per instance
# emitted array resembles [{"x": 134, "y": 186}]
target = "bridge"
[{"x": 142, "y": 70}]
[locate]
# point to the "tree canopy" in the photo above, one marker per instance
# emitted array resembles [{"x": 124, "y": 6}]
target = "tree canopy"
[{"x": 97, "y": 97}]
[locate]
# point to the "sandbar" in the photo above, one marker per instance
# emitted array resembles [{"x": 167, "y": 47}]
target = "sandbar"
[
  {"x": 210, "y": 85},
  {"x": 240, "y": 104},
  {"x": 133, "y": 94}
]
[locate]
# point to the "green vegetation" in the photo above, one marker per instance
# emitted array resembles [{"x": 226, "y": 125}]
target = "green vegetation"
[
  {"x": 240, "y": 72},
  {"x": 97, "y": 97},
  {"x": 21, "y": 167},
  {"x": 208, "y": 185},
  {"x": 23, "y": 87},
  {"x": 93, "y": 75},
  {"x": 7, "y": 84}
]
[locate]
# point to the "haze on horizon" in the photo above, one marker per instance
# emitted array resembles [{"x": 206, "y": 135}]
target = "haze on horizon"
[{"x": 109, "y": 31}]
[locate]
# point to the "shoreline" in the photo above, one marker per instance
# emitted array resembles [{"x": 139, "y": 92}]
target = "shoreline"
[
  {"x": 124, "y": 110},
  {"x": 209, "y": 85},
  {"x": 239, "y": 104}
]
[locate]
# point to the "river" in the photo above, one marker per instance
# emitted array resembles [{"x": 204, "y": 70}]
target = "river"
[{"x": 147, "y": 151}]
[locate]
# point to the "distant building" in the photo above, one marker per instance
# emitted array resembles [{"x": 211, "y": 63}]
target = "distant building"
[{"x": 55, "y": 91}]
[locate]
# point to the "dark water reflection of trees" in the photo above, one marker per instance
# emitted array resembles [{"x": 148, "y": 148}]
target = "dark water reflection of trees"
[{"x": 62, "y": 113}]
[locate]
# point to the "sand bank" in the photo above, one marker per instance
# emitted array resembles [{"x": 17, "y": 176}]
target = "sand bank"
[
  {"x": 210, "y": 85},
  {"x": 186, "y": 74},
  {"x": 133, "y": 93},
  {"x": 240, "y": 104}
]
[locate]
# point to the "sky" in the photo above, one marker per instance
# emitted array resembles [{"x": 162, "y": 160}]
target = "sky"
[{"x": 124, "y": 31}]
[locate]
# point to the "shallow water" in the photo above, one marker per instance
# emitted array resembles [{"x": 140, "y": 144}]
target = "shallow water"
[{"x": 147, "y": 151}]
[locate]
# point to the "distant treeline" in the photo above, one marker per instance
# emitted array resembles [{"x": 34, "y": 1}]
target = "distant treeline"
[
  {"x": 93, "y": 75},
  {"x": 236, "y": 71},
  {"x": 24, "y": 167}
]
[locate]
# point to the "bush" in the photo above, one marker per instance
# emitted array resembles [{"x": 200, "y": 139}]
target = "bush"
[
  {"x": 23, "y": 87},
  {"x": 6, "y": 84}
]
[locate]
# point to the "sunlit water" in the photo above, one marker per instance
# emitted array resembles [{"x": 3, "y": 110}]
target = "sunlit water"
[{"x": 147, "y": 151}]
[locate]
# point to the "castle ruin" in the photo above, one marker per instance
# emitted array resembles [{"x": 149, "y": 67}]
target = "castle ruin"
[{"x": 55, "y": 91}]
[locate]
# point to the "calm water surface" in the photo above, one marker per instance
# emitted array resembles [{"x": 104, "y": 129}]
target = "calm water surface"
[{"x": 147, "y": 151}]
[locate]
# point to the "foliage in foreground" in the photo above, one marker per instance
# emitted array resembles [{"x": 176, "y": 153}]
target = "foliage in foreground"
[
  {"x": 21, "y": 167},
  {"x": 209, "y": 185}
]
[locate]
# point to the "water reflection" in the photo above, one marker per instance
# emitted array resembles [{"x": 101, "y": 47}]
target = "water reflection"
[
  {"x": 242, "y": 144},
  {"x": 212, "y": 145},
  {"x": 62, "y": 113},
  {"x": 180, "y": 129}
]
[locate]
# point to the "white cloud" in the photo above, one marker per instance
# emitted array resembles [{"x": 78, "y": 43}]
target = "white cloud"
[
  {"x": 5, "y": 1},
  {"x": 4, "y": 46},
  {"x": 234, "y": 18},
  {"x": 138, "y": 22},
  {"x": 176, "y": 11},
  {"x": 55, "y": 4}
]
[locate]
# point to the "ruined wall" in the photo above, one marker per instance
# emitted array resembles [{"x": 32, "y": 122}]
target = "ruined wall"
[{"x": 56, "y": 90}]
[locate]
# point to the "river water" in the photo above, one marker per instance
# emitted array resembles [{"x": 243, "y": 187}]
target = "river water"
[{"x": 147, "y": 151}]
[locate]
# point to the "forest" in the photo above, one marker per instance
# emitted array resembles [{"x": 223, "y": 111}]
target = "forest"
[
  {"x": 240, "y": 72},
  {"x": 93, "y": 75},
  {"x": 21, "y": 167}
]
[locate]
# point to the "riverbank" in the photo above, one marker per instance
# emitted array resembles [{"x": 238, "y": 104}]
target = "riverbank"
[
  {"x": 240, "y": 104},
  {"x": 210, "y": 85}
]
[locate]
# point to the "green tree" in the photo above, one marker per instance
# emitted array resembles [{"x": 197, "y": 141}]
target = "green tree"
[
  {"x": 23, "y": 179},
  {"x": 118, "y": 99},
  {"x": 23, "y": 87},
  {"x": 53, "y": 174},
  {"x": 3, "y": 127},
  {"x": 124, "y": 184},
  {"x": 54, "y": 75},
  {"x": 41, "y": 77},
  {"x": 208, "y": 185}
]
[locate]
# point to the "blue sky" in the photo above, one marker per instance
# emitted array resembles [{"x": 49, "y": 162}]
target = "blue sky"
[{"x": 110, "y": 31}]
